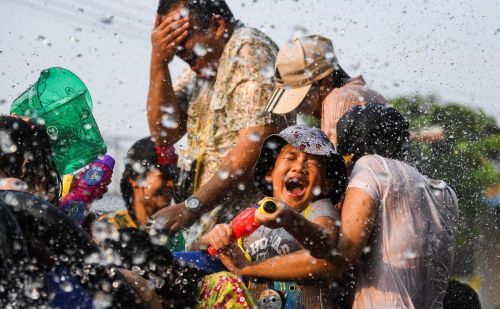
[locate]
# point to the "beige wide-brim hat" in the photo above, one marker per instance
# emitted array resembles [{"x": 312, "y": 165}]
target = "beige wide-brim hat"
[{"x": 298, "y": 65}]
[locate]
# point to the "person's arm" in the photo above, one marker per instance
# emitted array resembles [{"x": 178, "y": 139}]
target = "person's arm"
[
  {"x": 297, "y": 265},
  {"x": 318, "y": 237},
  {"x": 237, "y": 164},
  {"x": 167, "y": 122},
  {"x": 359, "y": 213},
  {"x": 342, "y": 250}
]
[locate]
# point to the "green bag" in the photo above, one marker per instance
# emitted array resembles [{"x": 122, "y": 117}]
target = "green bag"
[{"x": 61, "y": 101}]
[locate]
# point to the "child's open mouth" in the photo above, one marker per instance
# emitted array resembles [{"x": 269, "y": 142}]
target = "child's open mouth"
[{"x": 295, "y": 186}]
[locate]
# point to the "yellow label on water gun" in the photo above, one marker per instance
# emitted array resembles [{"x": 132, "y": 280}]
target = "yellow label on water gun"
[
  {"x": 119, "y": 219},
  {"x": 267, "y": 205},
  {"x": 66, "y": 184}
]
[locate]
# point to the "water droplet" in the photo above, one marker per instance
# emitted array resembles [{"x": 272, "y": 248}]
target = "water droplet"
[
  {"x": 223, "y": 174},
  {"x": 317, "y": 191},
  {"x": 268, "y": 71},
  {"x": 184, "y": 11},
  {"x": 138, "y": 168},
  {"x": 167, "y": 109},
  {"x": 87, "y": 126},
  {"x": 66, "y": 286},
  {"x": 272, "y": 145},
  {"x": 107, "y": 20},
  {"x": 6, "y": 143},
  {"x": 102, "y": 300},
  {"x": 409, "y": 254},
  {"x": 169, "y": 121},
  {"x": 254, "y": 137},
  {"x": 33, "y": 293},
  {"x": 199, "y": 49},
  {"x": 207, "y": 72},
  {"x": 366, "y": 249}
]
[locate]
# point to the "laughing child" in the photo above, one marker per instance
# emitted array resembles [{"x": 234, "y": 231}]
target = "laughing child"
[{"x": 301, "y": 170}]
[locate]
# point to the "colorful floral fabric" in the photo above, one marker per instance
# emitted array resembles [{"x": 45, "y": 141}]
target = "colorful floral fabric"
[{"x": 224, "y": 290}]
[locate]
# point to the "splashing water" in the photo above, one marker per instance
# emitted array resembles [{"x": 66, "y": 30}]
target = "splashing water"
[
  {"x": 6, "y": 143},
  {"x": 200, "y": 50}
]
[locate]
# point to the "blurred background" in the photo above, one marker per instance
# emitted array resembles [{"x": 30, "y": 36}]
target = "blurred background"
[{"x": 437, "y": 60}]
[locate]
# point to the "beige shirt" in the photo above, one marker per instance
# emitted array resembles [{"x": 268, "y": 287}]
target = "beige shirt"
[
  {"x": 218, "y": 109},
  {"x": 340, "y": 100},
  {"x": 410, "y": 252}
]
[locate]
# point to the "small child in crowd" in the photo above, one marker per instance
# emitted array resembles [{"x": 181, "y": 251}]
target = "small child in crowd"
[{"x": 301, "y": 170}]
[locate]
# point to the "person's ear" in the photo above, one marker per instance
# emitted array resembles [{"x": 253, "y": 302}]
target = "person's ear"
[
  {"x": 326, "y": 186},
  {"x": 134, "y": 183},
  {"x": 219, "y": 25},
  {"x": 269, "y": 175},
  {"x": 157, "y": 21}
]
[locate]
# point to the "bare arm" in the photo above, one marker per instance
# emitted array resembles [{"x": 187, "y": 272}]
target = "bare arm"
[
  {"x": 358, "y": 219},
  {"x": 342, "y": 250},
  {"x": 318, "y": 236},
  {"x": 238, "y": 164},
  {"x": 167, "y": 123},
  {"x": 297, "y": 265}
]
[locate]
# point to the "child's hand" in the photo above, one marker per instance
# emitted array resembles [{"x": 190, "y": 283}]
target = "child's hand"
[
  {"x": 277, "y": 219},
  {"x": 220, "y": 236},
  {"x": 235, "y": 261}
]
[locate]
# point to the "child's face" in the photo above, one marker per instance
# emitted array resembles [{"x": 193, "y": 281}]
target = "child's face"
[{"x": 298, "y": 178}]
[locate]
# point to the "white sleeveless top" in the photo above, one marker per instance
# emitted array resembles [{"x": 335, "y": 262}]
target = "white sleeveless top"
[{"x": 410, "y": 251}]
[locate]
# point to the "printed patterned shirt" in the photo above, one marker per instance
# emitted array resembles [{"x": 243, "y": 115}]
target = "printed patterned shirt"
[{"x": 218, "y": 109}]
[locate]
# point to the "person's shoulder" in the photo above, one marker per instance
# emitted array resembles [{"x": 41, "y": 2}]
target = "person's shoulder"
[
  {"x": 252, "y": 37},
  {"x": 324, "y": 202},
  {"x": 357, "y": 89},
  {"x": 370, "y": 159}
]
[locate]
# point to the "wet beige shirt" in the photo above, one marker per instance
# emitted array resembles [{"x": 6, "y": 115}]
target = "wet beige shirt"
[
  {"x": 218, "y": 109},
  {"x": 340, "y": 100},
  {"x": 410, "y": 251}
]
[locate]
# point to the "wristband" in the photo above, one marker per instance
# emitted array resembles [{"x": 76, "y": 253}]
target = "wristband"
[{"x": 165, "y": 155}]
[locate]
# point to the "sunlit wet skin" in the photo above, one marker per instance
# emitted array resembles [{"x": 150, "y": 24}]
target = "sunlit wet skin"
[{"x": 296, "y": 177}]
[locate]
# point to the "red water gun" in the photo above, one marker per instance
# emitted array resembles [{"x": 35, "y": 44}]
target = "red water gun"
[{"x": 244, "y": 223}]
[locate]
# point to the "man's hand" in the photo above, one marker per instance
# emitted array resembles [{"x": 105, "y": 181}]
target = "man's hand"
[
  {"x": 173, "y": 218},
  {"x": 166, "y": 36},
  {"x": 279, "y": 218}
]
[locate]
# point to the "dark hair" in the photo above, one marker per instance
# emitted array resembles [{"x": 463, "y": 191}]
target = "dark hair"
[
  {"x": 460, "y": 296},
  {"x": 373, "y": 129},
  {"x": 25, "y": 153},
  {"x": 140, "y": 159},
  {"x": 340, "y": 76},
  {"x": 201, "y": 10},
  {"x": 334, "y": 168}
]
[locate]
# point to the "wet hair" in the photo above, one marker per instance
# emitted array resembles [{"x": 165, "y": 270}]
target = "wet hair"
[
  {"x": 340, "y": 76},
  {"x": 25, "y": 154},
  {"x": 140, "y": 159},
  {"x": 460, "y": 296},
  {"x": 373, "y": 129},
  {"x": 201, "y": 10},
  {"x": 333, "y": 167}
]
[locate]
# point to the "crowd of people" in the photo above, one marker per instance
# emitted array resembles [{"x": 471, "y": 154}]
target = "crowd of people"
[{"x": 356, "y": 226}]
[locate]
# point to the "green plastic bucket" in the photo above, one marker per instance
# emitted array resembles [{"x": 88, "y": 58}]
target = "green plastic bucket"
[{"x": 61, "y": 101}]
